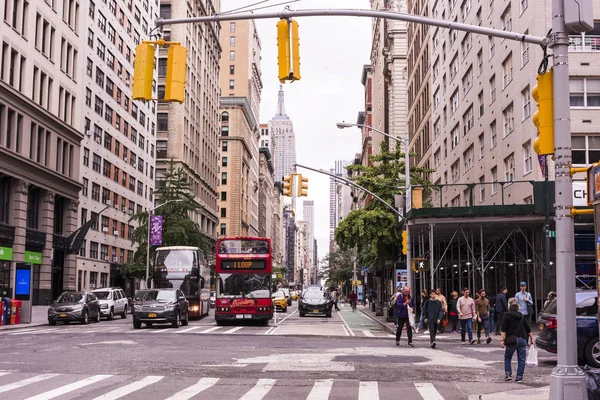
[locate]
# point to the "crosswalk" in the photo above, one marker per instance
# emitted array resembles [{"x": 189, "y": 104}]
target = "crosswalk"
[{"x": 25, "y": 386}]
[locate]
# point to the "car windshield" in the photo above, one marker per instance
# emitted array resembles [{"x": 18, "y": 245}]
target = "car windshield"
[
  {"x": 70, "y": 298},
  {"x": 255, "y": 286},
  {"x": 103, "y": 295},
  {"x": 278, "y": 294},
  {"x": 162, "y": 296},
  {"x": 313, "y": 294},
  {"x": 189, "y": 287},
  {"x": 244, "y": 247}
]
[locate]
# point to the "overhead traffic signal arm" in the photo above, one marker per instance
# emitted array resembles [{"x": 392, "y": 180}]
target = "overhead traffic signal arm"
[{"x": 543, "y": 119}]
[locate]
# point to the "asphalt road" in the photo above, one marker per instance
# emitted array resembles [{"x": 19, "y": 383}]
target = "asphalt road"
[{"x": 348, "y": 356}]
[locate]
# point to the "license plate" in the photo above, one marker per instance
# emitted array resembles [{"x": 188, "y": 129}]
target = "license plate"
[
  {"x": 239, "y": 316},
  {"x": 248, "y": 316},
  {"x": 152, "y": 315},
  {"x": 542, "y": 327},
  {"x": 62, "y": 315},
  {"x": 315, "y": 311}
]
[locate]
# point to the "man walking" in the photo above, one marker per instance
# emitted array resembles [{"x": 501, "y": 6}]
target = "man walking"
[
  {"x": 501, "y": 307},
  {"x": 442, "y": 300},
  {"x": 466, "y": 312},
  {"x": 402, "y": 309},
  {"x": 483, "y": 316},
  {"x": 433, "y": 317},
  {"x": 525, "y": 301},
  {"x": 492, "y": 300}
]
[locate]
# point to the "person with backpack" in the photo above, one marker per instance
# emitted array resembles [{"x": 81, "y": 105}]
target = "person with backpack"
[
  {"x": 515, "y": 334},
  {"x": 466, "y": 313},
  {"x": 434, "y": 312},
  {"x": 404, "y": 305}
]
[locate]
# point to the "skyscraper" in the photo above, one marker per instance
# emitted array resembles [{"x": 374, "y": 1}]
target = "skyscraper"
[
  {"x": 336, "y": 207},
  {"x": 281, "y": 129},
  {"x": 308, "y": 214}
]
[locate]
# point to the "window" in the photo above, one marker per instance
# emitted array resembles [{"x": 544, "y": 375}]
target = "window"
[
  {"x": 454, "y": 67},
  {"x": 93, "y": 250},
  {"x": 526, "y": 100},
  {"x": 436, "y": 128},
  {"x": 224, "y": 178},
  {"x": 88, "y": 97},
  {"x": 436, "y": 98},
  {"x": 231, "y": 84},
  {"x": 507, "y": 71},
  {"x": 96, "y": 162},
  {"x": 223, "y": 229},
  {"x": 509, "y": 168},
  {"x": 584, "y": 92},
  {"x": 231, "y": 69},
  {"x": 507, "y": 19},
  {"x": 437, "y": 158},
  {"x": 89, "y": 68},
  {"x": 232, "y": 55},
  {"x": 481, "y": 104},
  {"x": 527, "y": 159},
  {"x": 86, "y": 156},
  {"x": 491, "y": 46},
  {"x": 467, "y": 80},
  {"x": 223, "y": 196},
  {"x": 468, "y": 120},
  {"x": 495, "y": 180},
  {"x": 224, "y": 131},
  {"x": 455, "y": 134},
  {"x": 84, "y": 189},
  {"x": 466, "y": 44},
  {"x": 224, "y": 161},
  {"x": 455, "y": 171},
  {"x": 162, "y": 120},
  {"x": 479, "y": 62},
  {"x": 508, "y": 120},
  {"x": 223, "y": 212},
  {"x": 95, "y": 192},
  {"x": 100, "y": 49},
  {"x": 165, "y": 11},
  {"x": 224, "y": 146},
  {"x": 493, "y": 135},
  {"x": 481, "y": 145},
  {"x": 586, "y": 149},
  {"x": 232, "y": 27},
  {"x": 524, "y": 52},
  {"x": 454, "y": 101},
  {"x": 232, "y": 41},
  {"x": 524, "y": 5},
  {"x": 492, "y": 89},
  {"x": 481, "y": 189},
  {"x": 469, "y": 158}
]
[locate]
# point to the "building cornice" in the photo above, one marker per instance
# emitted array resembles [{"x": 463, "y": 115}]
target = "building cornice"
[{"x": 245, "y": 105}]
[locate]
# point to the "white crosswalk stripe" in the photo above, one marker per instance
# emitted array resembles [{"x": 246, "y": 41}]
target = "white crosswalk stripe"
[
  {"x": 25, "y": 382},
  {"x": 368, "y": 391},
  {"x": 428, "y": 391},
  {"x": 193, "y": 390},
  {"x": 234, "y": 329},
  {"x": 132, "y": 387},
  {"x": 211, "y": 329},
  {"x": 189, "y": 329},
  {"x": 368, "y": 333},
  {"x": 69, "y": 388},
  {"x": 260, "y": 390},
  {"x": 321, "y": 390}
]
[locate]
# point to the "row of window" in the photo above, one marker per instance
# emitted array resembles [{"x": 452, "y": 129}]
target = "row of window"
[
  {"x": 104, "y": 252},
  {"x": 107, "y": 225}
]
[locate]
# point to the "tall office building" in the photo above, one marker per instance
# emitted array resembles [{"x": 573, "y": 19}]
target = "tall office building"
[
  {"x": 188, "y": 133},
  {"x": 241, "y": 88},
  {"x": 41, "y": 128},
  {"x": 308, "y": 214},
  {"x": 336, "y": 192},
  {"x": 117, "y": 162},
  {"x": 283, "y": 140}
]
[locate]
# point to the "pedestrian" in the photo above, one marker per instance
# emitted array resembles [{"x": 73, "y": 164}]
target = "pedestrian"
[
  {"x": 525, "y": 301},
  {"x": 482, "y": 306},
  {"x": 393, "y": 303},
  {"x": 515, "y": 333},
  {"x": 466, "y": 313},
  {"x": 501, "y": 306},
  {"x": 433, "y": 317},
  {"x": 442, "y": 300},
  {"x": 334, "y": 299},
  {"x": 551, "y": 296},
  {"x": 402, "y": 309},
  {"x": 424, "y": 300},
  {"x": 452, "y": 311},
  {"x": 492, "y": 300}
]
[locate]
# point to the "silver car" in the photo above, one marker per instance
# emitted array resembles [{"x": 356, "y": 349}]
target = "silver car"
[{"x": 113, "y": 301}]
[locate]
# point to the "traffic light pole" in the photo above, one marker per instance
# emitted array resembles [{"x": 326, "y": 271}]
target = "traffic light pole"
[{"x": 566, "y": 382}]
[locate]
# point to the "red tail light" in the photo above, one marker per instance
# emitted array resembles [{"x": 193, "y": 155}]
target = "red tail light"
[{"x": 551, "y": 323}]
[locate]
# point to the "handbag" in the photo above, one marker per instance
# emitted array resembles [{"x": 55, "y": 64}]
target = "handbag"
[
  {"x": 532, "y": 354},
  {"x": 445, "y": 322},
  {"x": 512, "y": 339}
]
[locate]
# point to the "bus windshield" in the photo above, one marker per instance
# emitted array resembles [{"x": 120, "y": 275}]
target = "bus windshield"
[
  {"x": 234, "y": 246},
  {"x": 177, "y": 260},
  {"x": 254, "y": 286},
  {"x": 189, "y": 287}
]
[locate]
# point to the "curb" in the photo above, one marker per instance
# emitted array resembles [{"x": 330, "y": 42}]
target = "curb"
[
  {"x": 386, "y": 327},
  {"x": 542, "y": 393},
  {"x": 22, "y": 326}
]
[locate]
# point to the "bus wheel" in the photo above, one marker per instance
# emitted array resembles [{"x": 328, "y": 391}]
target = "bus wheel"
[
  {"x": 220, "y": 323},
  {"x": 186, "y": 320}
]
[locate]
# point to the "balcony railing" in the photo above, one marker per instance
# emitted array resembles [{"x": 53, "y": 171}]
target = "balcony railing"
[{"x": 584, "y": 43}]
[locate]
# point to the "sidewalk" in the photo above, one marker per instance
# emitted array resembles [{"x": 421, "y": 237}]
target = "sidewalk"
[{"x": 39, "y": 316}]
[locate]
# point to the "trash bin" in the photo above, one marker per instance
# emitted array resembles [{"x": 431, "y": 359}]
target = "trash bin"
[
  {"x": 7, "y": 310},
  {"x": 16, "y": 305}
]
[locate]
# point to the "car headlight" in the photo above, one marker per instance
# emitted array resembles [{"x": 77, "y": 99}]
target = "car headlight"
[
  {"x": 51, "y": 311},
  {"x": 78, "y": 307},
  {"x": 194, "y": 308},
  {"x": 170, "y": 306},
  {"x": 103, "y": 306}
]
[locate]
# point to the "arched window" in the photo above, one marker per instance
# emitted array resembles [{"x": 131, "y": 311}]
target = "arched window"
[{"x": 225, "y": 117}]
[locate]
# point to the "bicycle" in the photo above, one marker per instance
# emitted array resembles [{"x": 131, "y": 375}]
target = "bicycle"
[{"x": 353, "y": 304}]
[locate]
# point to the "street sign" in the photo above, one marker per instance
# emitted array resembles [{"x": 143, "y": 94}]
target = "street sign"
[{"x": 552, "y": 234}]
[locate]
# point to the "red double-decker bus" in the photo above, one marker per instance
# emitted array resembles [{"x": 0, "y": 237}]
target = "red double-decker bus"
[{"x": 243, "y": 279}]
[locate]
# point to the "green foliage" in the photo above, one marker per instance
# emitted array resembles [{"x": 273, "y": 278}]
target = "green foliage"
[
  {"x": 178, "y": 228},
  {"x": 339, "y": 267},
  {"x": 374, "y": 229},
  {"x": 279, "y": 271}
]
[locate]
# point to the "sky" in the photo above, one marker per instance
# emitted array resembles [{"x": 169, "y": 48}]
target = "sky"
[{"x": 333, "y": 51}]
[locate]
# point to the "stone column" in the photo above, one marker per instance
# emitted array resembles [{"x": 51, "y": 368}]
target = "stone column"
[
  {"x": 46, "y": 226},
  {"x": 18, "y": 219},
  {"x": 70, "y": 268}
]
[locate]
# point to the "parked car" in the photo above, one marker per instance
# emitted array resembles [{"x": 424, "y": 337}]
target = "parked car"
[
  {"x": 160, "y": 306},
  {"x": 315, "y": 302},
  {"x": 280, "y": 300},
  {"x": 74, "y": 306},
  {"x": 112, "y": 301},
  {"x": 286, "y": 291},
  {"x": 586, "y": 309}
]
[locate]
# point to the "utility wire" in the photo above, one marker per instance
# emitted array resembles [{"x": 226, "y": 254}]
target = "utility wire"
[{"x": 241, "y": 8}]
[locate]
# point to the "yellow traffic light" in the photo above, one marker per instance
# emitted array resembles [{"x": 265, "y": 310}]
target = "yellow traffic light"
[
  {"x": 288, "y": 50},
  {"x": 404, "y": 242},
  {"x": 143, "y": 72},
  {"x": 302, "y": 186},
  {"x": 543, "y": 94},
  {"x": 287, "y": 185},
  {"x": 176, "y": 70}
]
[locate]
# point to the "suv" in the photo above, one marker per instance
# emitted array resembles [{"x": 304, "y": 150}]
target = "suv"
[
  {"x": 112, "y": 301},
  {"x": 160, "y": 306}
]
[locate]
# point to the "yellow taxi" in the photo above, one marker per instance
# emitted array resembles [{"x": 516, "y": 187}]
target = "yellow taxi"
[
  {"x": 294, "y": 295},
  {"x": 279, "y": 300}
]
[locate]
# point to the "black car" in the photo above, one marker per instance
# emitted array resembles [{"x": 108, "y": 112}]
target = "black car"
[
  {"x": 315, "y": 302},
  {"x": 74, "y": 306},
  {"x": 160, "y": 306}
]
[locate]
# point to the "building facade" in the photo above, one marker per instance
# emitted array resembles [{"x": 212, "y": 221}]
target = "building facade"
[
  {"x": 340, "y": 199},
  {"x": 283, "y": 140},
  {"x": 289, "y": 243},
  {"x": 188, "y": 133},
  {"x": 308, "y": 214},
  {"x": 117, "y": 159},
  {"x": 266, "y": 202},
  {"x": 41, "y": 66},
  {"x": 241, "y": 87}
]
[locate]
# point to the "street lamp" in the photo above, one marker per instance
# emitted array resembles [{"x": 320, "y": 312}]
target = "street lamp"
[{"x": 148, "y": 242}]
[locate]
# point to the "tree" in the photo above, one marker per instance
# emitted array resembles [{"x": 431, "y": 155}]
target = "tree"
[
  {"x": 339, "y": 267},
  {"x": 374, "y": 229},
  {"x": 179, "y": 229}
]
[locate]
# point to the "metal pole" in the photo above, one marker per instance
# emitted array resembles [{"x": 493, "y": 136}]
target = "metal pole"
[
  {"x": 431, "y": 263},
  {"x": 566, "y": 382},
  {"x": 547, "y": 270},
  {"x": 410, "y": 276},
  {"x": 148, "y": 249}
]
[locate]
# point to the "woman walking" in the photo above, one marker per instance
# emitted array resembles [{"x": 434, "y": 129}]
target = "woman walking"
[
  {"x": 452, "y": 310},
  {"x": 515, "y": 334},
  {"x": 393, "y": 300}
]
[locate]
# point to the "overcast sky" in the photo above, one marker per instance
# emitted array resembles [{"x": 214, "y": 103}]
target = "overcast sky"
[{"x": 333, "y": 51}]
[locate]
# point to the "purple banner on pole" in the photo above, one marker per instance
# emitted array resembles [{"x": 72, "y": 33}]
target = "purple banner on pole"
[
  {"x": 156, "y": 222},
  {"x": 542, "y": 161}
]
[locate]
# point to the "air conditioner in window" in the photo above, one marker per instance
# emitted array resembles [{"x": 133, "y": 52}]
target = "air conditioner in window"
[
  {"x": 108, "y": 203},
  {"x": 98, "y": 140},
  {"x": 116, "y": 233},
  {"x": 105, "y": 229},
  {"x": 116, "y": 206},
  {"x": 124, "y": 209},
  {"x": 125, "y": 159},
  {"x": 88, "y": 132},
  {"x": 115, "y": 259},
  {"x": 130, "y": 212},
  {"x": 106, "y": 258}
]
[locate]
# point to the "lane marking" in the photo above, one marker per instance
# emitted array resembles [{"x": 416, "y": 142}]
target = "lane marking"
[
  {"x": 132, "y": 387},
  {"x": 268, "y": 332},
  {"x": 428, "y": 391},
  {"x": 259, "y": 390},
  {"x": 293, "y": 312},
  {"x": 320, "y": 390},
  {"x": 237, "y": 328},
  {"x": 189, "y": 329},
  {"x": 163, "y": 330},
  {"x": 368, "y": 391},
  {"x": 25, "y": 382},
  {"x": 193, "y": 390},
  {"x": 2, "y": 373},
  {"x": 210, "y": 329},
  {"x": 368, "y": 333},
  {"x": 33, "y": 332},
  {"x": 345, "y": 324},
  {"x": 69, "y": 388}
]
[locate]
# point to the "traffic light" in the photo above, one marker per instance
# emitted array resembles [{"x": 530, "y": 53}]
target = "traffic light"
[
  {"x": 143, "y": 72},
  {"x": 404, "y": 244},
  {"x": 288, "y": 50},
  {"x": 543, "y": 119},
  {"x": 287, "y": 185},
  {"x": 302, "y": 186},
  {"x": 176, "y": 70}
]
